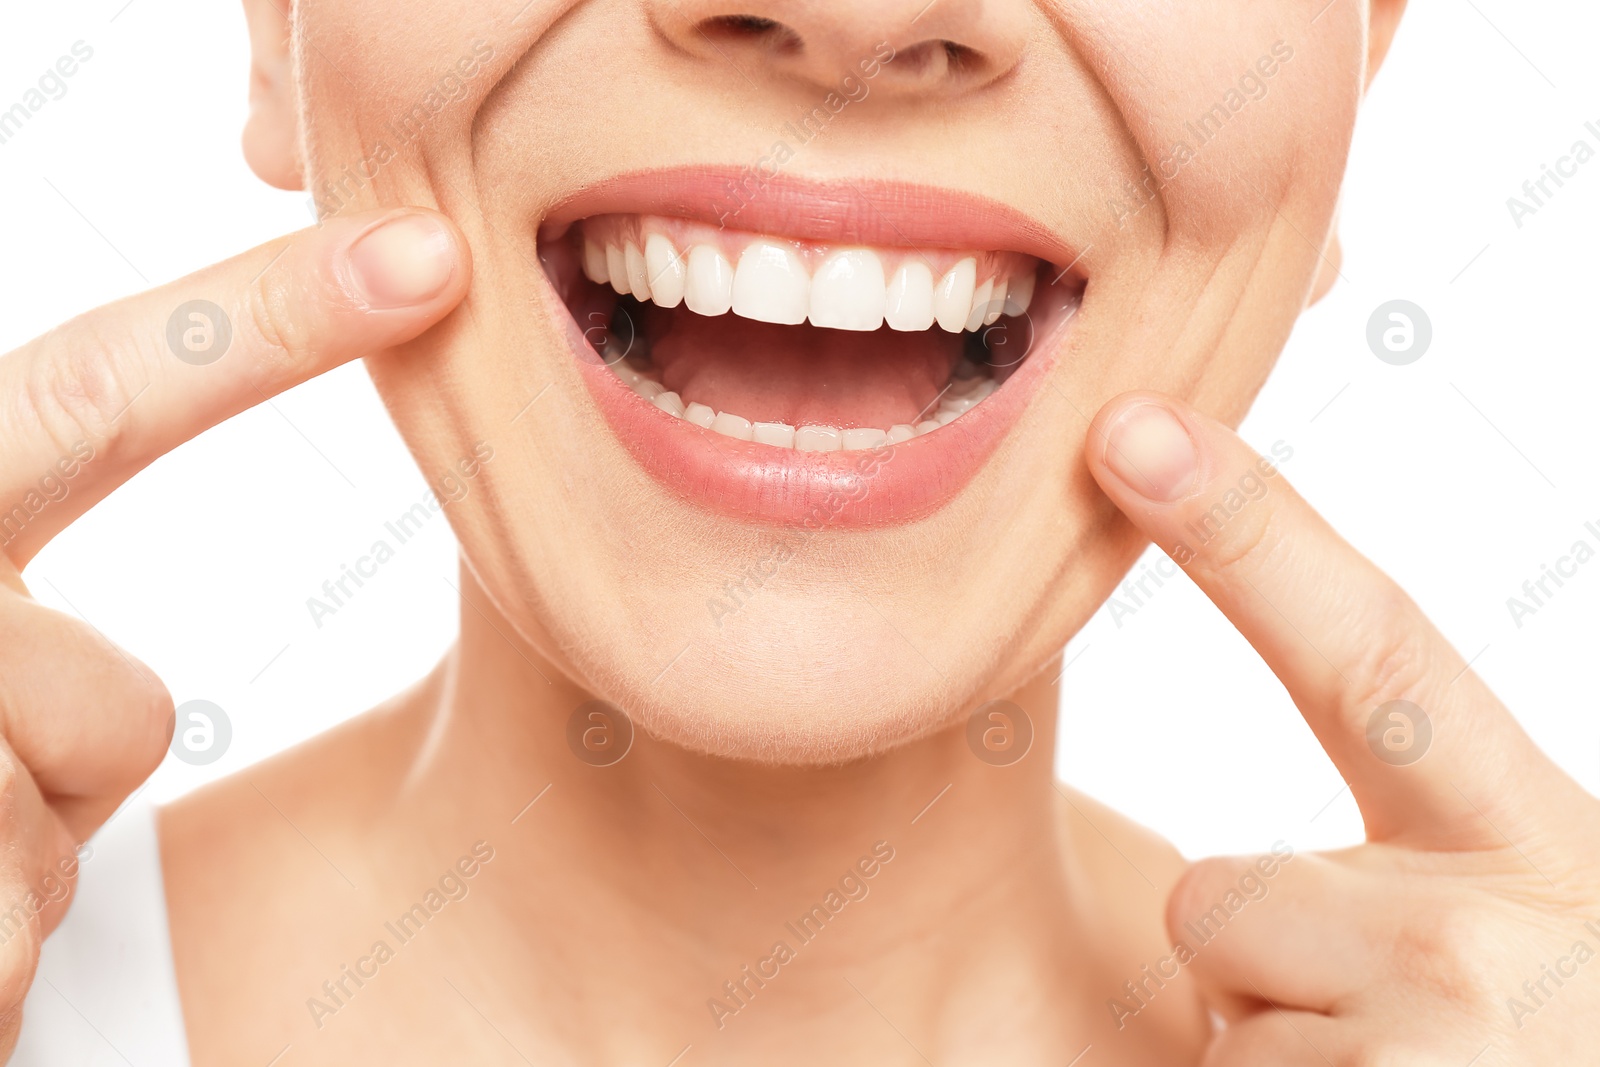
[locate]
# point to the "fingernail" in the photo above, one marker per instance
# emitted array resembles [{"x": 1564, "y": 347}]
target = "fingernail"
[
  {"x": 1148, "y": 448},
  {"x": 406, "y": 260}
]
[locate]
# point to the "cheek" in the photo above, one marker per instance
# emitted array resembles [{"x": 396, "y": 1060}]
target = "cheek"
[
  {"x": 1219, "y": 244},
  {"x": 422, "y": 81},
  {"x": 1223, "y": 158}
]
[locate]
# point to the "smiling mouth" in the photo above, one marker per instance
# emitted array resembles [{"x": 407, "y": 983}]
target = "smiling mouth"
[
  {"x": 812, "y": 346},
  {"x": 765, "y": 370},
  {"x": 800, "y": 344}
]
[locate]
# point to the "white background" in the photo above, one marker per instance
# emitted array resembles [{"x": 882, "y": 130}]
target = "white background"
[{"x": 1460, "y": 474}]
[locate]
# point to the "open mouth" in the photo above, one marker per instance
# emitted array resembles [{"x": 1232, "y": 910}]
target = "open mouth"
[
  {"x": 783, "y": 358},
  {"x": 797, "y": 345}
]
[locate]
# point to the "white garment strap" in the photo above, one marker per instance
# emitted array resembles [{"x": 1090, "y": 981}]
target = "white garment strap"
[{"x": 106, "y": 994}]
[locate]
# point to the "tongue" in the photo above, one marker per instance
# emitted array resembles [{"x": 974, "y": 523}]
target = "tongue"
[{"x": 801, "y": 375}]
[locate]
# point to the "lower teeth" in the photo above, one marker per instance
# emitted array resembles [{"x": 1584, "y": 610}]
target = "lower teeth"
[
  {"x": 627, "y": 352},
  {"x": 968, "y": 388}
]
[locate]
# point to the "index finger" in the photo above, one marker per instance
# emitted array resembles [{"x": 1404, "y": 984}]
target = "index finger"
[
  {"x": 91, "y": 403},
  {"x": 1343, "y": 638}
]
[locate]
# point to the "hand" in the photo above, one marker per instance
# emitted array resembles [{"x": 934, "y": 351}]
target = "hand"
[
  {"x": 84, "y": 408},
  {"x": 1467, "y": 929}
]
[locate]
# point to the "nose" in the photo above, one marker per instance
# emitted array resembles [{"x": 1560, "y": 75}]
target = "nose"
[{"x": 907, "y": 47}]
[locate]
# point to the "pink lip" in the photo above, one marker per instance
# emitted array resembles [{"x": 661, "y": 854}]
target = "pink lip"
[
  {"x": 850, "y": 490},
  {"x": 868, "y": 212}
]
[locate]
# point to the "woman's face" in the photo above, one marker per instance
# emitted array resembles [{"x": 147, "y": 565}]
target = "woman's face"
[{"x": 1163, "y": 175}]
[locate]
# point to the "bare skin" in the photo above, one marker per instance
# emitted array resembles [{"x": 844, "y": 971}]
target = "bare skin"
[
  {"x": 1025, "y": 903},
  {"x": 981, "y": 913}
]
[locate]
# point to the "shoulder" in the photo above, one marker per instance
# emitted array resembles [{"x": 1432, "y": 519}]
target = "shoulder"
[
  {"x": 1124, "y": 852},
  {"x": 284, "y": 846},
  {"x": 1125, "y": 873},
  {"x": 324, "y": 790}
]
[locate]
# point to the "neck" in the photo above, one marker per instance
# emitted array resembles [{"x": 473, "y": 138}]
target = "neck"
[{"x": 736, "y": 904}]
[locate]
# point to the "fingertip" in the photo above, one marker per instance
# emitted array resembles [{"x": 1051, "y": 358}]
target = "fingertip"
[
  {"x": 407, "y": 259},
  {"x": 1145, "y": 445}
]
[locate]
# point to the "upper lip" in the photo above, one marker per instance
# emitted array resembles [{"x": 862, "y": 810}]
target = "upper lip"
[{"x": 867, "y": 211}]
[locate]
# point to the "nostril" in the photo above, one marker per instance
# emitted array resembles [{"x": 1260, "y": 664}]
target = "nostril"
[
  {"x": 912, "y": 48},
  {"x": 747, "y": 24},
  {"x": 934, "y": 59},
  {"x": 753, "y": 28},
  {"x": 959, "y": 57}
]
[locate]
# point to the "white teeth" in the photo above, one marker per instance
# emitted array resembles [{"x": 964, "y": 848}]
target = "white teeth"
[
  {"x": 862, "y": 437},
  {"x": 980, "y": 305},
  {"x": 638, "y": 280},
  {"x": 997, "y": 302},
  {"x": 908, "y": 304},
  {"x": 965, "y": 395},
  {"x": 617, "y": 269},
  {"x": 773, "y": 433},
  {"x": 771, "y": 285},
  {"x": 817, "y": 439},
  {"x": 848, "y": 292},
  {"x": 961, "y": 396},
  {"x": 594, "y": 263},
  {"x": 708, "y": 289},
  {"x": 952, "y": 297},
  {"x": 666, "y": 269},
  {"x": 730, "y": 425},
  {"x": 958, "y": 404},
  {"x": 1020, "y": 295}
]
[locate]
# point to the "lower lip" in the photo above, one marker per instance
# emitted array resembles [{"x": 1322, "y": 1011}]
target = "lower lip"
[{"x": 783, "y": 486}]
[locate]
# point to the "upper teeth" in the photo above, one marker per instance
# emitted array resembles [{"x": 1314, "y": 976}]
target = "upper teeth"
[{"x": 770, "y": 283}]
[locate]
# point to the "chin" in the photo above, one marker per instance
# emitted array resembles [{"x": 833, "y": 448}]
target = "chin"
[{"x": 846, "y": 687}]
